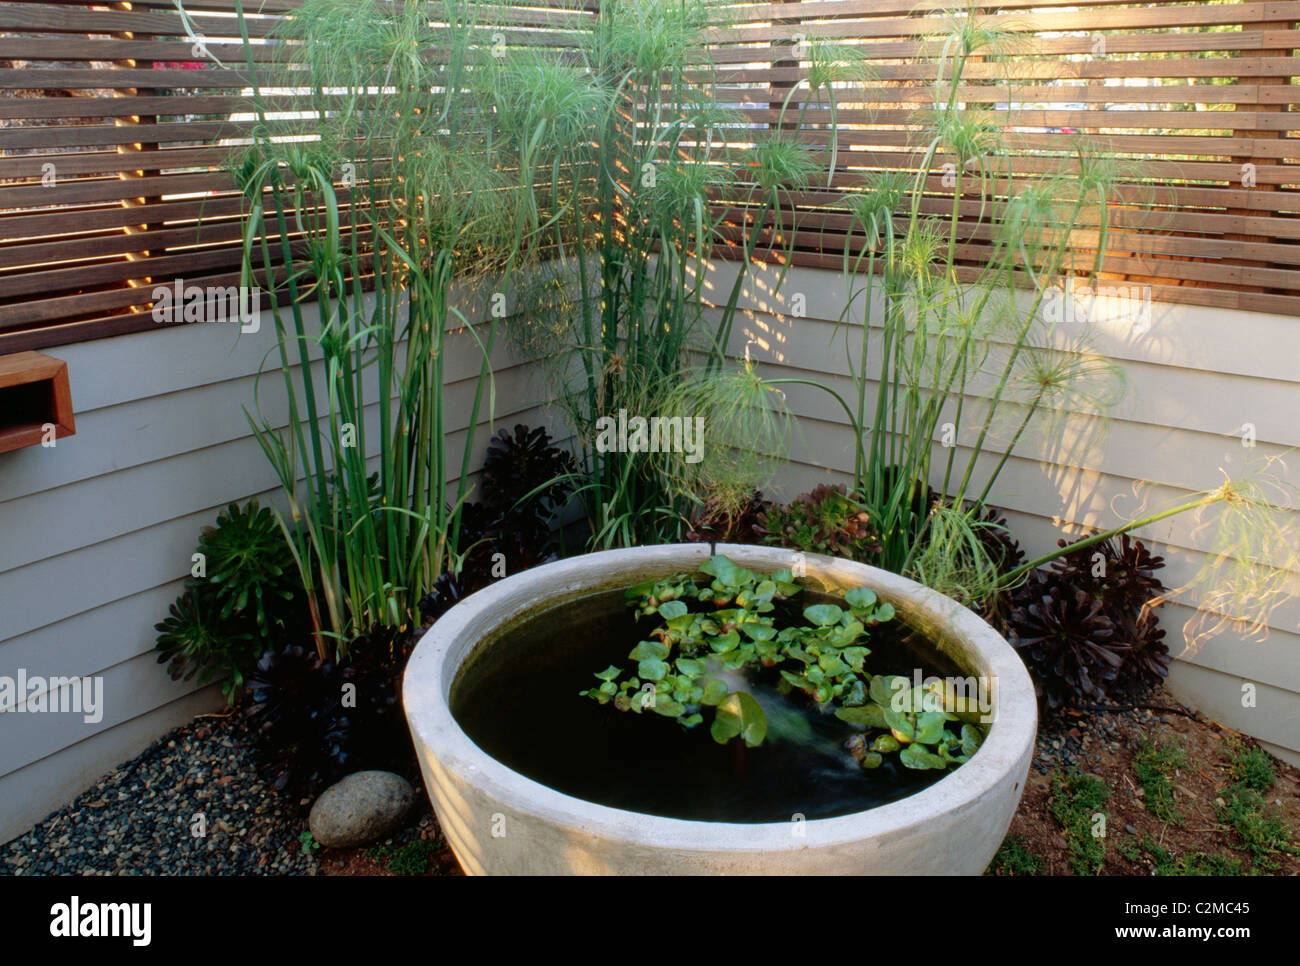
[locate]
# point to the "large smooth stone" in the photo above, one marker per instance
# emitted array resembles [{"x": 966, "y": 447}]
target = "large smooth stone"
[{"x": 360, "y": 808}]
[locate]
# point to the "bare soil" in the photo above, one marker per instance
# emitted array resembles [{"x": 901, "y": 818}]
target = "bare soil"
[{"x": 1104, "y": 744}]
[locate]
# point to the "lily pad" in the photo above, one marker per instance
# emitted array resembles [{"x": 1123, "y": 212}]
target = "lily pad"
[
  {"x": 724, "y": 642},
  {"x": 739, "y": 658},
  {"x": 918, "y": 759},
  {"x": 798, "y": 680},
  {"x": 885, "y": 744},
  {"x": 727, "y": 571},
  {"x": 670, "y": 609},
  {"x": 668, "y": 707},
  {"x": 690, "y": 666},
  {"x": 884, "y": 687},
  {"x": 785, "y": 583},
  {"x": 900, "y": 725},
  {"x": 714, "y": 691},
  {"x": 649, "y": 651},
  {"x": 740, "y": 715},
  {"x": 929, "y": 727},
  {"x": 846, "y": 635},
  {"x": 860, "y": 598},
  {"x": 823, "y": 615},
  {"x": 854, "y": 656},
  {"x": 855, "y": 694},
  {"x": 831, "y": 664},
  {"x": 653, "y": 670},
  {"x": 869, "y": 716}
]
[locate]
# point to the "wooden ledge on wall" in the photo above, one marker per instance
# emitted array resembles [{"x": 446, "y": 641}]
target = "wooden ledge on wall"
[{"x": 35, "y": 401}]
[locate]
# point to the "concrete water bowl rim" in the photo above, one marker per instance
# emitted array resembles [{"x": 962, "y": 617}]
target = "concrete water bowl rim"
[{"x": 444, "y": 648}]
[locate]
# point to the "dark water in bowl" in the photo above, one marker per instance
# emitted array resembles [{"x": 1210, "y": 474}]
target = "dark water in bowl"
[{"x": 517, "y": 697}]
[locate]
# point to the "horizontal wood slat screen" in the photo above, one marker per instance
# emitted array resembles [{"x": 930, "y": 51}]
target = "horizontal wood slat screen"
[
  {"x": 1184, "y": 96},
  {"x": 113, "y": 134}
]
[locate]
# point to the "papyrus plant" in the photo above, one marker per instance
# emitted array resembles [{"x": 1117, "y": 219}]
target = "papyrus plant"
[
  {"x": 673, "y": 174},
  {"x": 942, "y": 291},
  {"x": 960, "y": 299},
  {"x": 397, "y": 186}
]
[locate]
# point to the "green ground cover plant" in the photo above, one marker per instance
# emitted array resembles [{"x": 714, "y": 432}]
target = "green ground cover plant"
[
  {"x": 1015, "y": 858},
  {"x": 413, "y": 858},
  {"x": 1155, "y": 764},
  {"x": 1251, "y": 767},
  {"x": 1078, "y": 800},
  {"x": 1166, "y": 863},
  {"x": 1261, "y": 828}
]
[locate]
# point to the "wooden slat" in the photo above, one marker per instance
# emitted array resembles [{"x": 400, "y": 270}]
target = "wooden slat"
[
  {"x": 826, "y": 9},
  {"x": 100, "y": 97},
  {"x": 1052, "y": 70},
  {"x": 1190, "y": 157},
  {"x": 1160, "y": 15},
  {"x": 112, "y": 48}
]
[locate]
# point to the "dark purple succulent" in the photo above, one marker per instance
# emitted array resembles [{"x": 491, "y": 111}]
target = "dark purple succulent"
[
  {"x": 1067, "y": 640},
  {"x": 445, "y": 593},
  {"x": 526, "y": 481},
  {"x": 1148, "y": 659},
  {"x": 1123, "y": 578},
  {"x": 1115, "y": 581},
  {"x": 294, "y": 712},
  {"x": 316, "y": 721},
  {"x": 1124, "y": 581},
  {"x": 526, "y": 472}
]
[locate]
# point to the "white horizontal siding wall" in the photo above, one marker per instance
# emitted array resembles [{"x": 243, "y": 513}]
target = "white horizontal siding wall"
[
  {"x": 96, "y": 532},
  {"x": 1194, "y": 378}
]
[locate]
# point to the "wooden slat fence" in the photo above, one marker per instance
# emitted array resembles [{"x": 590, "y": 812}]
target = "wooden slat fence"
[
  {"x": 1195, "y": 102},
  {"x": 113, "y": 133}
]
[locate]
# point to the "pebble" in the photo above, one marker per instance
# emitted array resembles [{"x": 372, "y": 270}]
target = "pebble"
[
  {"x": 1066, "y": 739},
  {"x": 1130, "y": 830},
  {"x": 136, "y": 820}
]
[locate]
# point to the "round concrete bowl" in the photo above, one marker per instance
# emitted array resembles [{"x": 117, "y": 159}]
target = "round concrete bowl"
[{"x": 499, "y": 822}]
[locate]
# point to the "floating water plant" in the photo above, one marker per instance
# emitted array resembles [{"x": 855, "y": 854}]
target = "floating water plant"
[{"x": 714, "y": 627}]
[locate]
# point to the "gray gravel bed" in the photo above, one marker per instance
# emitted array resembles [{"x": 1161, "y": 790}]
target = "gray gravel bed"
[
  {"x": 141, "y": 818},
  {"x": 1067, "y": 741}
]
